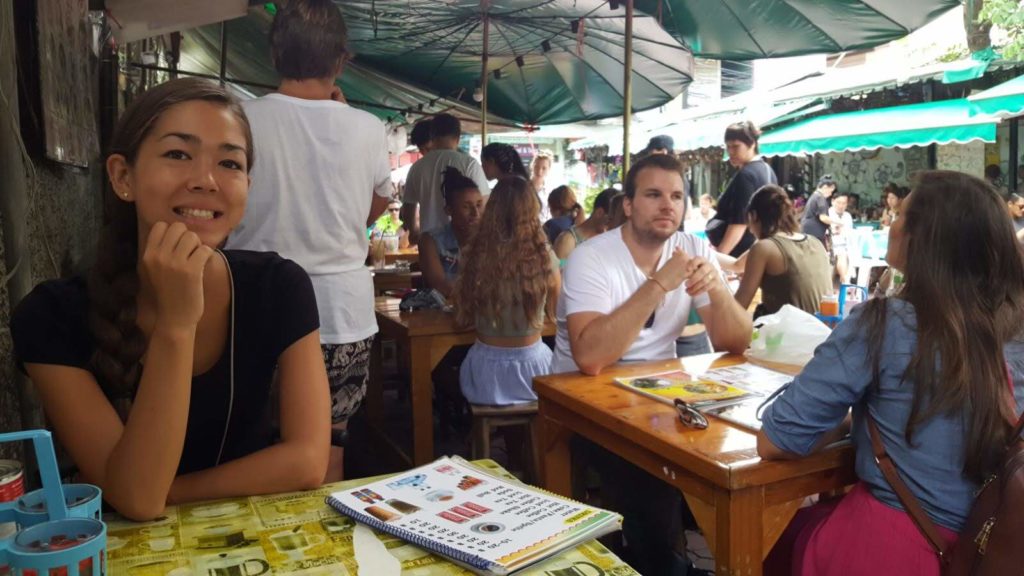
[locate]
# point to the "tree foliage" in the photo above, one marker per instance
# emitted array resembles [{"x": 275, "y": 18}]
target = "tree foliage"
[{"x": 1009, "y": 16}]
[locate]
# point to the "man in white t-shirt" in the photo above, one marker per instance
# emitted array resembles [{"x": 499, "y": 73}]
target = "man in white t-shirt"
[
  {"x": 842, "y": 232},
  {"x": 423, "y": 183},
  {"x": 626, "y": 294},
  {"x": 320, "y": 177}
]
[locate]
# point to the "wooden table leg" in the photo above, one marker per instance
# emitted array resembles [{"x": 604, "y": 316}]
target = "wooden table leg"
[
  {"x": 421, "y": 393},
  {"x": 555, "y": 455},
  {"x": 375, "y": 392},
  {"x": 739, "y": 547}
]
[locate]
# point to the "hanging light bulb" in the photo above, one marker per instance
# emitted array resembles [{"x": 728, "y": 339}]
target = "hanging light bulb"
[{"x": 478, "y": 94}]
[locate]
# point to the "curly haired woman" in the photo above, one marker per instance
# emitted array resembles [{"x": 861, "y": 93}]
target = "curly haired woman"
[{"x": 508, "y": 285}]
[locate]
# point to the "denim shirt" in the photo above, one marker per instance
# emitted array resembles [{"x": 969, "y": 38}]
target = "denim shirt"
[
  {"x": 447, "y": 249},
  {"x": 839, "y": 377}
]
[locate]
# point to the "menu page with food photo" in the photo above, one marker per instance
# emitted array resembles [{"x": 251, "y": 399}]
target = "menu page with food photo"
[
  {"x": 486, "y": 523},
  {"x": 668, "y": 386}
]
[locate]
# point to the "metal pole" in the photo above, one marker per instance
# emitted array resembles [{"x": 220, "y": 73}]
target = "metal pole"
[
  {"x": 627, "y": 88},
  {"x": 1014, "y": 171},
  {"x": 483, "y": 73},
  {"x": 223, "y": 51}
]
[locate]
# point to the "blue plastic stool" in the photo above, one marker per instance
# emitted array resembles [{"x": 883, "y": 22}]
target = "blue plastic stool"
[{"x": 60, "y": 531}]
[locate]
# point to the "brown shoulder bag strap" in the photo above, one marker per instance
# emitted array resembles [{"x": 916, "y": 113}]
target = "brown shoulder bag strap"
[{"x": 907, "y": 498}]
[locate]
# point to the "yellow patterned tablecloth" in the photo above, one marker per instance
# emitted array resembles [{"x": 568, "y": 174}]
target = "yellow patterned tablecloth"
[{"x": 294, "y": 533}]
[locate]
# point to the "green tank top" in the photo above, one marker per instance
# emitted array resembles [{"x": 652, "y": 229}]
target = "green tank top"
[{"x": 807, "y": 277}]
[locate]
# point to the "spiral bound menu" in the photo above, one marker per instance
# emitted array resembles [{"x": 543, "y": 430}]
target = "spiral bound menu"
[{"x": 485, "y": 523}]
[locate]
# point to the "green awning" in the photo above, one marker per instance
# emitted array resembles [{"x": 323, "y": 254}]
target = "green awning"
[
  {"x": 944, "y": 122},
  {"x": 1004, "y": 100}
]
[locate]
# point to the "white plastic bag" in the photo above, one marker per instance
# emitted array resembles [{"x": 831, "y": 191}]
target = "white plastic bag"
[{"x": 789, "y": 336}]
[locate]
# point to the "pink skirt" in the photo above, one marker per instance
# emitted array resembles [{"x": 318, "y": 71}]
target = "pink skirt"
[{"x": 854, "y": 535}]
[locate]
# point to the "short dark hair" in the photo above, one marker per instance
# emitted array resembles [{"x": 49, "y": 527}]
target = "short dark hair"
[
  {"x": 745, "y": 131},
  {"x": 308, "y": 39},
  {"x": 420, "y": 135},
  {"x": 665, "y": 162},
  {"x": 774, "y": 211},
  {"x": 445, "y": 126},
  {"x": 827, "y": 180},
  {"x": 603, "y": 201},
  {"x": 662, "y": 142}
]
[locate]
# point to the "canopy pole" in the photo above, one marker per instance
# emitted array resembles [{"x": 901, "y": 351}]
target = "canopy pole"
[
  {"x": 627, "y": 89},
  {"x": 483, "y": 74},
  {"x": 223, "y": 52}
]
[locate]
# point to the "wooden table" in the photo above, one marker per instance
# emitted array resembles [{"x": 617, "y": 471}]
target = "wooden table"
[
  {"x": 423, "y": 337},
  {"x": 741, "y": 503},
  {"x": 289, "y": 534},
  {"x": 390, "y": 280},
  {"x": 407, "y": 254}
]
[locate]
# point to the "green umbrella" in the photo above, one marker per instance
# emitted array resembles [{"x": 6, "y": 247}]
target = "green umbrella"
[
  {"x": 749, "y": 29},
  {"x": 549, "y": 62},
  {"x": 249, "y": 65}
]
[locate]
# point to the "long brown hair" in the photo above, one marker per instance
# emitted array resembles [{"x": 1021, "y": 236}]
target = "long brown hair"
[
  {"x": 508, "y": 262},
  {"x": 113, "y": 281},
  {"x": 965, "y": 279}
]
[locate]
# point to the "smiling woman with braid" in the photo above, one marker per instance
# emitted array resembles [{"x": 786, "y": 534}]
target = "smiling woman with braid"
[{"x": 155, "y": 372}]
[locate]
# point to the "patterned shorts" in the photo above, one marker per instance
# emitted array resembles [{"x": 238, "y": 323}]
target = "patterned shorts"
[{"x": 347, "y": 372}]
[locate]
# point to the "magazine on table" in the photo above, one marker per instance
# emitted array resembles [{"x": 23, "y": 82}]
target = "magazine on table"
[
  {"x": 732, "y": 393},
  {"x": 484, "y": 523}
]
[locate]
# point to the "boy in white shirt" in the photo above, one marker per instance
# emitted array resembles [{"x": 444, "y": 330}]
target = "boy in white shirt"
[
  {"x": 320, "y": 177},
  {"x": 423, "y": 183}
]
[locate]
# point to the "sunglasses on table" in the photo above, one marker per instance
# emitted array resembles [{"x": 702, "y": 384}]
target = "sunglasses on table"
[{"x": 690, "y": 416}]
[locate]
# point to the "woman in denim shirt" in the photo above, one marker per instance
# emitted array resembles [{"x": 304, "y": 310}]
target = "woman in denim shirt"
[
  {"x": 440, "y": 248},
  {"x": 931, "y": 367}
]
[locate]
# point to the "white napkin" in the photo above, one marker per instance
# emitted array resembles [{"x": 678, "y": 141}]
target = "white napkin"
[{"x": 371, "y": 555}]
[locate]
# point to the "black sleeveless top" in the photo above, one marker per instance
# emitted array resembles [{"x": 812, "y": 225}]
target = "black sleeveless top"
[{"x": 274, "y": 307}]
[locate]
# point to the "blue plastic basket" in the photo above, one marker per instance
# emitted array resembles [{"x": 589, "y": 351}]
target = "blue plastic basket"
[{"x": 60, "y": 532}]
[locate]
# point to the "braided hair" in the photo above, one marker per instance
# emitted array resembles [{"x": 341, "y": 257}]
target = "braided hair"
[
  {"x": 505, "y": 158},
  {"x": 453, "y": 183},
  {"x": 113, "y": 281}
]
